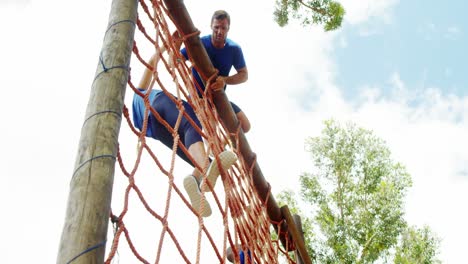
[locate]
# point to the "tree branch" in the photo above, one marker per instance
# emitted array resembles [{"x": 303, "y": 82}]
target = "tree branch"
[
  {"x": 364, "y": 249},
  {"x": 321, "y": 11}
]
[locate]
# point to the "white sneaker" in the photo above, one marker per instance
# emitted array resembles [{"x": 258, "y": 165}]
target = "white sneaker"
[
  {"x": 227, "y": 158},
  {"x": 199, "y": 203}
]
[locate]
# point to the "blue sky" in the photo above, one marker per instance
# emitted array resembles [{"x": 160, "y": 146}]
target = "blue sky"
[
  {"x": 425, "y": 42},
  {"x": 397, "y": 68}
]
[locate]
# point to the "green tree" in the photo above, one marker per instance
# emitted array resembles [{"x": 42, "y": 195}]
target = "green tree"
[
  {"x": 326, "y": 12},
  {"x": 417, "y": 245},
  {"x": 356, "y": 199}
]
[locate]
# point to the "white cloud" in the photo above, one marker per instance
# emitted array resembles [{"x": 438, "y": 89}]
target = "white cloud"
[
  {"x": 431, "y": 31},
  {"x": 398, "y": 86},
  {"x": 452, "y": 32},
  {"x": 14, "y": 3},
  {"x": 359, "y": 12}
]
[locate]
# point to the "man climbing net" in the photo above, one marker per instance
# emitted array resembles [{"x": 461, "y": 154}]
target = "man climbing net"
[
  {"x": 164, "y": 107},
  {"x": 185, "y": 122}
]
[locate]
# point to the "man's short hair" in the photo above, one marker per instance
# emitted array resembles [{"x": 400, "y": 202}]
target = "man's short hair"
[{"x": 221, "y": 14}]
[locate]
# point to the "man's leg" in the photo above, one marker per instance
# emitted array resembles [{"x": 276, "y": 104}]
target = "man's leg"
[
  {"x": 197, "y": 150},
  {"x": 198, "y": 201},
  {"x": 191, "y": 138},
  {"x": 227, "y": 159},
  {"x": 170, "y": 113},
  {"x": 244, "y": 121},
  {"x": 198, "y": 153},
  {"x": 194, "y": 184}
]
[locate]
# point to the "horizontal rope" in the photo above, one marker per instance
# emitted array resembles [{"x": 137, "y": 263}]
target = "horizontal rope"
[
  {"x": 118, "y": 22},
  {"x": 118, "y": 114},
  {"x": 91, "y": 159},
  {"x": 103, "y": 243}
]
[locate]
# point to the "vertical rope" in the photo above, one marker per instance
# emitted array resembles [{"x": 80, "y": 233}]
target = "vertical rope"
[{"x": 242, "y": 214}]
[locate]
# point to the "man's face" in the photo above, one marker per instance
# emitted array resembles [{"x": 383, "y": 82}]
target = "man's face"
[{"x": 220, "y": 29}]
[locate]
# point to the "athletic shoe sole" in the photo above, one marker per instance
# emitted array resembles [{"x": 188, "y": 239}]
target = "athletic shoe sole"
[
  {"x": 227, "y": 158},
  {"x": 199, "y": 203}
]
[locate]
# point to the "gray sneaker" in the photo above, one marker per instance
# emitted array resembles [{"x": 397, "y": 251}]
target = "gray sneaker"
[
  {"x": 227, "y": 158},
  {"x": 199, "y": 203}
]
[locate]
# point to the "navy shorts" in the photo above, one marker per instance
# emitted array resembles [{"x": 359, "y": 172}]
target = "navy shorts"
[
  {"x": 169, "y": 112},
  {"x": 235, "y": 108}
]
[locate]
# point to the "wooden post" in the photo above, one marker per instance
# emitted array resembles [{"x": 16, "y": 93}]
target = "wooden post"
[
  {"x": 84, "y": 233},
  {"x": 296, "y": 235},
  {"x": 298, "y": 223}
]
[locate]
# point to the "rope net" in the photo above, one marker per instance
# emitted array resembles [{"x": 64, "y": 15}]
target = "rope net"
[{"x": 152, "y": 218}]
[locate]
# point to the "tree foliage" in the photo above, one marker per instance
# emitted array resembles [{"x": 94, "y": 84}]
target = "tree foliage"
[
  {"x": 356, "y": 198},
  {"x": 326, "y": 12},
  {"x": 417, "y": 245}
]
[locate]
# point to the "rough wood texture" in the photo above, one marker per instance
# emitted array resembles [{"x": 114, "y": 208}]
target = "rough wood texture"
[{"x": 85, "y": 230}]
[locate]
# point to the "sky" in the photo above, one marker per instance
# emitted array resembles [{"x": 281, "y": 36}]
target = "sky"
[{"x": 397, "y": 68}]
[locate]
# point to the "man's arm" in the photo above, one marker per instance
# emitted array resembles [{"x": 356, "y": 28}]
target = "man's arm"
[
  {"x": 147, "y": 74},
  {"x": 241, "y": 76}
]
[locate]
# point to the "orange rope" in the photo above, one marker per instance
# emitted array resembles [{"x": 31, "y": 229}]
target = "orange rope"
[{"x": 242, "y": 214}]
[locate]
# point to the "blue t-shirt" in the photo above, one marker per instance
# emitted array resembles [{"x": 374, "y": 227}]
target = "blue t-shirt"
[
  {"x": 222, "y": 59},
  {"x": 139, "y": 108}
]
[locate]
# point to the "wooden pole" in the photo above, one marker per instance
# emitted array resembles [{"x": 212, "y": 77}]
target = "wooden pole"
[
  {"x": 298, "y": 223},
  {"x": 296, "y": 235},
  {"x": 84, "y": 233},
  {"x": 202, "y": 63}
]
